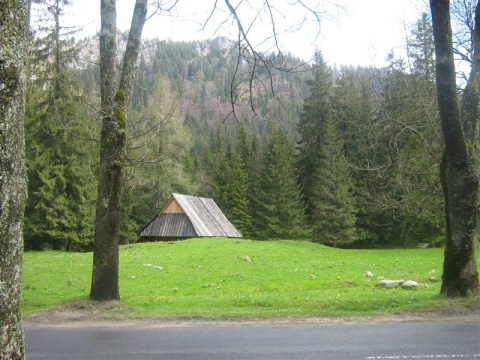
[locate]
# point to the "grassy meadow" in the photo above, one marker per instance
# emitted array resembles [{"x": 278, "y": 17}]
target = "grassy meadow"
[{"x": 212, "y": 277}]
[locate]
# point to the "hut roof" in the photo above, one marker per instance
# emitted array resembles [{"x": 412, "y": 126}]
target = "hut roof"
[{"x": 189, "y": 216}]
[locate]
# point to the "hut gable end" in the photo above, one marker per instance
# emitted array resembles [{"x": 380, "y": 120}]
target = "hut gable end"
[{"x": 172, "y": 207}]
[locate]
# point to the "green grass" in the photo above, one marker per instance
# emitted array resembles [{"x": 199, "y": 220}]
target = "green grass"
[{"x": 209, "y": 277}]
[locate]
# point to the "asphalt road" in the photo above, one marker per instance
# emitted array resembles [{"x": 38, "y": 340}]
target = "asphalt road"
[{"x": 407, "y": 340}]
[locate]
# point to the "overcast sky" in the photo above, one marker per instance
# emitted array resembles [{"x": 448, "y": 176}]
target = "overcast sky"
[{"x": 362, "y": 32}]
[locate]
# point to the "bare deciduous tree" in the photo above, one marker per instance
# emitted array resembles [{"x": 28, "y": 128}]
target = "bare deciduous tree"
[{"x": 112, "y": 146}]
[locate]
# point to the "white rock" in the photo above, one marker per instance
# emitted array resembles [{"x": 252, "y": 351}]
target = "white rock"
[
  {"x": 390, "y": 284},
  {"x": 246, "y": 258},
  {"x": 409, "y": 284},
  {"x": 369, "y": 274}
]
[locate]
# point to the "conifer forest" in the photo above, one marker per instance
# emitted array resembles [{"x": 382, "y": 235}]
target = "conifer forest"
[{"x": 343, "y": 156}]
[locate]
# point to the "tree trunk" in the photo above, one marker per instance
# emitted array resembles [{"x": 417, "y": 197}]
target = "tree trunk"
[
  {"x": 14, "y": 33},
  {"x": 112, "y": 147},
  {"x": 458, "y": 175}
]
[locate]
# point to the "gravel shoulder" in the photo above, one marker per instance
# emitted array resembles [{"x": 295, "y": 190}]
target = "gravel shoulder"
[{"x": 114, "y": 314}]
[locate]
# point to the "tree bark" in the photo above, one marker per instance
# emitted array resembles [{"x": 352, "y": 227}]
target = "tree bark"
[
  {"x": 105, "y": 253},
  {"x": 458, "y": 175},
  {"x": 14, "y": 33},
  {"x": 112, "y": 147}
]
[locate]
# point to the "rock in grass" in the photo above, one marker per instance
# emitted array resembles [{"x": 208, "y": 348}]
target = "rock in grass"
[
  {"x": 409, "y": 284},
  {"x": 246, "y": 258},
  {"x": 389, "y": 284},
  {"x": 369, "y": 274}
]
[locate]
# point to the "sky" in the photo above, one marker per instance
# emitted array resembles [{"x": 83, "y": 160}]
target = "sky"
[{"x": 358, "y": 32}]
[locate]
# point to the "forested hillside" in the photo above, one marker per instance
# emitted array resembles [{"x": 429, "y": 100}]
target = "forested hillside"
[{"x": 344, "y": 156}]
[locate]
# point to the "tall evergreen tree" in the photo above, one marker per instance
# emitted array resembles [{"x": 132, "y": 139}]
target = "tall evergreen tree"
[
  {"x": 59, "y": 210},
  {"x": 239, "y": 203},
  {"x": 333, "y": 220},
  {"x": 421, "y": 49},
  {"x": 280, "y": 211},
  {"x": 324, "y": 176},
  {"x": 353, "y": 114},
  {"x": 248, "y": 148},
  {"x": 311, "y": 127},
  {"x": 230, "y": 182}
]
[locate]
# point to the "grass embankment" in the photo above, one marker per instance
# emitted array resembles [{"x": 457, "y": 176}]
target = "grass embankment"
[{"x": 210, "y": 277}]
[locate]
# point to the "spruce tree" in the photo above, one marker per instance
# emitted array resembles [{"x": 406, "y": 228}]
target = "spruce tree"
[
  {"x": 333, "y": 213},
  {"x": 59, "y": 210},
  {"x": 239, "y": 203},
  {"x": 421, "y": 49},
  {"x": 248, "y": 151},
  {"x": 324, "y": 176},
  {"x": 230, "y": 179},
  {"x": 280, "y": 210},
  {"x": 311, "y": 127}
]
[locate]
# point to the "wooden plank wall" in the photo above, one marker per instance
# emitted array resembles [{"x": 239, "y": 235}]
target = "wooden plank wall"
[{"x": 172, "y": 208}]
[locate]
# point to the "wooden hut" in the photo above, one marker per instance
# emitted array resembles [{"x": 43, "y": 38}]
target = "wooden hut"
[{"x": 185, "y": 216}]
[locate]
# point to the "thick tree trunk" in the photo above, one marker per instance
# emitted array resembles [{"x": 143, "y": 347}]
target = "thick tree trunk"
[
  {"x": 459, "y": 178},
  {"x": 112, "y": 147},
  {"x": 107, "y": 222},
  {"x": 14, "y": 34}
]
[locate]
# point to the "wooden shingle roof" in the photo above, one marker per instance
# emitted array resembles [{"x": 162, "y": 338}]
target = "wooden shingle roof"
[{"x": 184, "y": 213}]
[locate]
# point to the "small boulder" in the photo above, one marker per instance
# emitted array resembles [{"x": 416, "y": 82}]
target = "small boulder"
[
  {"x": 390, "y": 284},
  {"x": 246, "y": 258},
  {"x": 409, "y": 284},
  {"x": 369, "y": 274},
  {"x": 423, "y": 245}
]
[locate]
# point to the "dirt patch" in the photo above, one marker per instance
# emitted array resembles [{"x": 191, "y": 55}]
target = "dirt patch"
[{"x": 87, "y": 313}]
